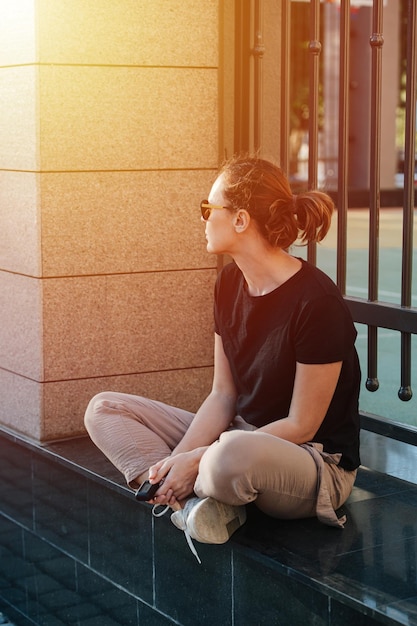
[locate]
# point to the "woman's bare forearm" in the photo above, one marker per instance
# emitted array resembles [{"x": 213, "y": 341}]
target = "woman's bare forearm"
[{"x": 213, "y": 417}]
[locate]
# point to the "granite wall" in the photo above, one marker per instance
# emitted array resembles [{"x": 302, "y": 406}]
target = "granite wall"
[{"x": 108, "y": 141}]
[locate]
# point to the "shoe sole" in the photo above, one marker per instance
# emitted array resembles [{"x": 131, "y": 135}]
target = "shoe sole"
[{"x": 214, "y": 522}]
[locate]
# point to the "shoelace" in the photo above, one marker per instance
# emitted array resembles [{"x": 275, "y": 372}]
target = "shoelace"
[
  {"x": 183, "y": 528},
  {"x": 164, "y": 510}
]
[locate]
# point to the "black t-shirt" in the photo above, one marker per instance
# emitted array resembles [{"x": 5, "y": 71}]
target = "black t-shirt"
[{"x": 304, "y": 320}]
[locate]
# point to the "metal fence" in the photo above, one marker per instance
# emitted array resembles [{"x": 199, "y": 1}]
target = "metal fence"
[{"x": 369, "y": 311}]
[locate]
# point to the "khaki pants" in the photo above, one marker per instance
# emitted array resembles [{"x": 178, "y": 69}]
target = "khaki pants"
[{"x": 284, "y": 480}]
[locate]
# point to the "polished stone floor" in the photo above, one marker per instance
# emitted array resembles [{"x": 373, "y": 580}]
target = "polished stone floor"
[
  {"x": 389, "y": 456},
  {"x": 373, "y": 561},
  {"x": 63, "y": 556},
  {"x": 5, "y": 621}
]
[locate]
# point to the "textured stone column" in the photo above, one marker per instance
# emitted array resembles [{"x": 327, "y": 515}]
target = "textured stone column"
[{"x": 108, "y": 141}]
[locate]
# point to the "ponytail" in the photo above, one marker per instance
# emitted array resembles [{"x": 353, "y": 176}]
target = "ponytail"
[
  {"x": 261, "y": 188},
  {"x": 313, "y": 212}
]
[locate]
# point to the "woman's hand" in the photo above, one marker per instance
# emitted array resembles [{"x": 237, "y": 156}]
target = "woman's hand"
[{"x": 179, "y": 473}]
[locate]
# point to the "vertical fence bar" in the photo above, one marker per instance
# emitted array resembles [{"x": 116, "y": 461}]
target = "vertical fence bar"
[
  {"x": 285, "y": 82},
  {"x": 343, "y": 147},
  {"x": 258, "y": 53},
  {"x": 376, "y": 42},
  {"x": 313, "y": 126},
  {"x": 242, "y": 81},
  {"x": 405, "y": 392}
]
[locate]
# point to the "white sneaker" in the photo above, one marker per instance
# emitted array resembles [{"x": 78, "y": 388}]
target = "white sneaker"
[{"x": 208, "y": 521}]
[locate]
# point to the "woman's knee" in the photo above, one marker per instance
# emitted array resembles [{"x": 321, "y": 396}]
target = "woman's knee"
[
  {"x": 93, "y": 413},
  {"x": 224, "y": 461},
  {"x": 225, "y": 469}
]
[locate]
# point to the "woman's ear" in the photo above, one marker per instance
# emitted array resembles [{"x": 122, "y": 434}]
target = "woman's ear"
[{"x": 241, "y": 220}]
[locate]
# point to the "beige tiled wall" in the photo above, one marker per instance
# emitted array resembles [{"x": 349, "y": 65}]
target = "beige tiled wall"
[
  {"x": 19, "y": 222},
  {"x": 160, "y": 33},
  {"x": 108, "y": 141},
  {"x": 127, "y": 118},
  {"x": 19, "y": 117},
  {"x": 118, "y": 222},
  {"x": 130, "y": 323}
]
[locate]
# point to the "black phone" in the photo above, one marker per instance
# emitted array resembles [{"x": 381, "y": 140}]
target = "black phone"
[{"x": 146, "y": 491}]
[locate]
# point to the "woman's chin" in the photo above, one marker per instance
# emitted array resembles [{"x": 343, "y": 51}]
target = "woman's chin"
[{"x": 212, "y": 248}]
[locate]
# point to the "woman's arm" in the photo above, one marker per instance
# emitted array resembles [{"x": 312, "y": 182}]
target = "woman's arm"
[
  {"x": 313, "y": 391},
  {"x": 214, "y": 416},
  {"x": 218, "y": 409}
]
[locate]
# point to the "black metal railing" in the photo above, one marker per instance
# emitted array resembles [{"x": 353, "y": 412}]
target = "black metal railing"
[{"x": 370, "y": 311}]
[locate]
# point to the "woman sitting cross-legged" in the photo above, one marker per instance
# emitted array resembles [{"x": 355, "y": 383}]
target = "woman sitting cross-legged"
[{"x": 280, "y": 427}]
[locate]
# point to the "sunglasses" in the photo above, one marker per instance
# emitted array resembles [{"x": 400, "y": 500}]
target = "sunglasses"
[{"x": 206, "y": 208}]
